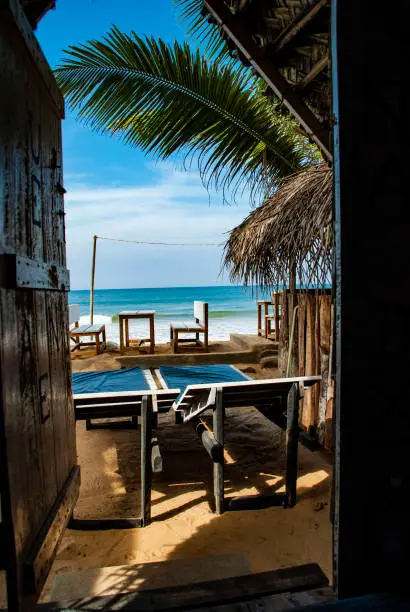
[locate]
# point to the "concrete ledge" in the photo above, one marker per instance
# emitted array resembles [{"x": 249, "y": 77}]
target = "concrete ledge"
[
  {"x": 250, "y": 349},
  {"x": 155, "y": 361}
]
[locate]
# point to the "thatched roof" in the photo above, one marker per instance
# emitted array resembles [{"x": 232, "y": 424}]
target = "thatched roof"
[
  {"x": 294, "y": 225},
  {"x": 287, "y": 43}
]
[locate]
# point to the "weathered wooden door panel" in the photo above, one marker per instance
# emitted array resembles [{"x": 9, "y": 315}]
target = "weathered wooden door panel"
[{"x": 39, "y": 478}]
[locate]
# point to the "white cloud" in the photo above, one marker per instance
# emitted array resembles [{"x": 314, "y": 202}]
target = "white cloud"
[{"x": 175, "y": 209}]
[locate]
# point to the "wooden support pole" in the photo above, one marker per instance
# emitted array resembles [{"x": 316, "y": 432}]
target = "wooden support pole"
[
  {"x": 146, "y": 467},
  {"x": 259, "y": 307},
  {"x": 276, "y": 313},
  {"x": 317, "y": 69},
  {"x": 218, "y": 427},
  {"x": 92, "y": 280},
  {"x": 127, "y": 332},
  {"x": 292, "y": 435},
  {"x": 298, "y": 24}
]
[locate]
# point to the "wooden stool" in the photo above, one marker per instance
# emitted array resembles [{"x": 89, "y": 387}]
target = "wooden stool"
[
  {"x": 124, "y": 317},
  {"x": 92, "y": 331}
]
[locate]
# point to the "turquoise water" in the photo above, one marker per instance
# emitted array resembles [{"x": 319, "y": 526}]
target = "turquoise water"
[
  {"x": 231, "y": 309},
  {"x": 168, "y": 301}
]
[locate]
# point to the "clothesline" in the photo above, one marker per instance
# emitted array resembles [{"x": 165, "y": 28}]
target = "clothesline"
[{"x": 182, "y": 244}]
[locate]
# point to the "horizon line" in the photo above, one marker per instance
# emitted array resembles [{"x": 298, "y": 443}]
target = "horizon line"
[{"x": 163, "y": 287}]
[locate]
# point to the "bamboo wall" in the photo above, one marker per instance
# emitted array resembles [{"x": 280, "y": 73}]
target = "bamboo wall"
[{"x": 311, "y": 355}]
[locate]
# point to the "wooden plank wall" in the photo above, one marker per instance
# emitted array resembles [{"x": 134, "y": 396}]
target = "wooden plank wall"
[
  {"x": 311, "y": 354},
  {"x": 36, "y": 406}
]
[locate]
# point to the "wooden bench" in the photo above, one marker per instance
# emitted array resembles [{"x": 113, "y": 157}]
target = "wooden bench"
[
  {"x": 197, "y": 327},
  {"x": 146, "y": 404},
  {"x": 91, "y": 331},
  {"x": 277, "y": 399}
]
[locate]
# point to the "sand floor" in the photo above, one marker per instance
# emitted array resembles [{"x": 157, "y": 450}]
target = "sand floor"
[{"x": 183, "y": 524}]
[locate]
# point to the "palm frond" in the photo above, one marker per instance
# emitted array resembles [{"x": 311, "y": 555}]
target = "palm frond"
[
  {"x": 170, "y": 101},
  {"x": 291, "y": 228},
  {"x": 201, "y": 28}
]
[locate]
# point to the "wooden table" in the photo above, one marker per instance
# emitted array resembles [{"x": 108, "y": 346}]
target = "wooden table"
[
  {"x": 262, "y": 305},
  {"x": 92, "y": 331},
  {"x": 124, "y": 317}
]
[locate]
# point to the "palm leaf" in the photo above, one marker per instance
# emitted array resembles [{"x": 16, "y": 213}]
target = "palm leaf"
[
  {"x": 200, "y": 27},
  {"x": 170, "y": 101}
]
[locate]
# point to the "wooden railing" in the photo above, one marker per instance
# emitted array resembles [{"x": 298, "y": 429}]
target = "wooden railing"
[{"x": 309, "y": 355}]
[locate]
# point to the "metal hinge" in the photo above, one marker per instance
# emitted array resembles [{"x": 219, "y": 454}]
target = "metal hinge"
[{"x": 18, "y": 272}]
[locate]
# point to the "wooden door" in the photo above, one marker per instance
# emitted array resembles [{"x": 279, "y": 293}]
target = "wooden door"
[{"x": 39, "y": 478}]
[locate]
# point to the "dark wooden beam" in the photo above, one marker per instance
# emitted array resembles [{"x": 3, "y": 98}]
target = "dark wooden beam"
[
  {"x": 372, "y": 467},
  {"x": 36, "y": 9},
  {"x": 298, "y": 24},
  {"x": 146, "y": 466},
  {"x": 104, "y": 524},
  {"x": 237, "y": 31},
  {"x": 209, "y": 594},
  {"x": 292, "y": 434},
  {"x": 316, "y": 69},
  {"x": 218, "y": 466}
]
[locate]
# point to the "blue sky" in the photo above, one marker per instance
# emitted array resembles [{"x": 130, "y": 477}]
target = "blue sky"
[{"x": 116, "y": 191}]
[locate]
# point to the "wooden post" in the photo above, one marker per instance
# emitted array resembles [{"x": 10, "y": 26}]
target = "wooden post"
[
  {"x": 218, "y": 466},
  {"x": 292, "y": 436},
  {"x": 121, "y": 322},
  {"x": 292, "y": 277},
  {"x": 152, "y": 335},
  {"x": 127, "y": 332},
  {"x": 92, "y": 280},
  {"x": 146, "y": 466},
  {"x": 276, "y": 313},
  {"x": 259, "y": 307}
]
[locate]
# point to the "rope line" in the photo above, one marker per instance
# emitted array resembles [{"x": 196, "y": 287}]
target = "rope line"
[{"x": 182, "y": 244}]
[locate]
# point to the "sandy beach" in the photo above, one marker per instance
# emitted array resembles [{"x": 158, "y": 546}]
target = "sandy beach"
[{"x": 184, "y": 529}]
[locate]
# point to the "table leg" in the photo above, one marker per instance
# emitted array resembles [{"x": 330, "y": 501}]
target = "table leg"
[
  {"x": 266, "y": 305},
  {"x": 127, "y": 333},
  {"x": 292, "y": 437},
  {"x": 152, "y": 334},
  {"x": 259, "y": 319},
  {"x": 121, "y": 335},
  {"x": 146, "y": 468},
  {"x": 218, "y": 466},
  {"x": 276, "y": 308}
]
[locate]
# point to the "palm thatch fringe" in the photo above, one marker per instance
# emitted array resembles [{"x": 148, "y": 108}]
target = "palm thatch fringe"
[{"x": 291, "y": 229}]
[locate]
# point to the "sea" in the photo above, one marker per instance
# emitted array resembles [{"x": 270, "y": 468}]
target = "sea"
[{"x": 232, "y": 309}]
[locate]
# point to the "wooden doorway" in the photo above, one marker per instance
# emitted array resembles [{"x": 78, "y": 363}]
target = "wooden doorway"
[{"x": 39, "y": 478}]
